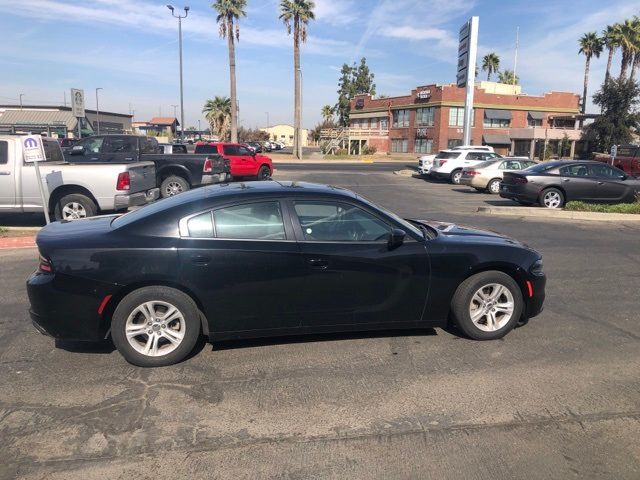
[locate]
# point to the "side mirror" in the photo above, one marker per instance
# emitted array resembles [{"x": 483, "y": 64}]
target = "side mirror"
[
  {"x": 396, "y": 238},
  {"x": 77, "y": 150}
]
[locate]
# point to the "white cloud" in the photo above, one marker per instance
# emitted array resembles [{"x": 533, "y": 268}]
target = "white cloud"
[{"x": 336, "y": 12}]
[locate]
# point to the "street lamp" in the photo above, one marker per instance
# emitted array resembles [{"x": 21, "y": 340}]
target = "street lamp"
[
  {"x": 199, "y": 131},
  {"x": 180, "y": 17},
  {"x": 174, "y": 111},
  {"x": 98, "y": 110},
  {"x": 21, "y": 95}
]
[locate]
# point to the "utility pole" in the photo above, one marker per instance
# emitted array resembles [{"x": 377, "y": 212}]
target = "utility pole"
[
  {"x": 174, "y": 111},
  {"x": 98, "y": 110},
  {"x": 515, "y": 59},
  {"x": 267, "y": 119},
  {"x": 180, "y": 17},
  {"x": 21, "y": 95}
]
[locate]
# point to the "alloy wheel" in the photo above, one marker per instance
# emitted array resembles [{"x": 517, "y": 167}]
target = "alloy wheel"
[
  {"x": 491, "y": 307},
  {"x": 552, "y": 199},
  {"x": 73, "y": 211},
  {"x": 155, "y": 328},
  {"x": 494, "y": 186},
  {"x": 173, "y": 188},
  {"x": 455, "y": 178}
]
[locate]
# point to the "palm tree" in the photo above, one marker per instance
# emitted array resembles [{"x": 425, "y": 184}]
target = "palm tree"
[
  {"x": 636, "y": 48},
  {"x": 218, "y": 112},
  {"x": 507, "y": 76},
  {"x": 611, "y": 37},
  {"x": 590, "y": 45},
  {"x": 296, "y": 14},
  {"x": 229, "y": 13},
  {"x": 327, "y": 113},
  {"x": 629, "y": 38},
  {"x": 490, "y": 64}
]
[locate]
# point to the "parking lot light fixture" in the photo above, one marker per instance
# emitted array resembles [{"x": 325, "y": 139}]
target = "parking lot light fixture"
[
  {"x": 180, "y": 17},
  {"x": 98, "y": 110}
]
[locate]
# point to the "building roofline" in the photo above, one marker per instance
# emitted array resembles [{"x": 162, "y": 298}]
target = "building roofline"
[{"x": 63, "y": 108}]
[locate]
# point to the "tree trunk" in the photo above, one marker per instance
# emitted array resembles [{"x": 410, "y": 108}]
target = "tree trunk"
[
  {"x": 586, "y": 83},
  {"x": 488, "y": 75},
  {"x": 232, "y": 80},
  {"x": 634, "y": 67},
  {"x": 609, "y": 60},
  {"x": 297, "y": 146},
  {"x": 624, "y": 64}
]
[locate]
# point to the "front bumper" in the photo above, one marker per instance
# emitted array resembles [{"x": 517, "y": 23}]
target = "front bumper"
[
  {"x": 136, "y": 199},
  {"x": 535, "y": 304}
]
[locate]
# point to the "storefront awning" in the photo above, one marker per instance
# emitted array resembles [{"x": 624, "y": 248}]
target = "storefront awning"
[
  {"x": 497, "y": 114},
  {"x": 369, "y": 115},
  {"x": 496, "y": 139},
  {"x": 536, "y": 115}
]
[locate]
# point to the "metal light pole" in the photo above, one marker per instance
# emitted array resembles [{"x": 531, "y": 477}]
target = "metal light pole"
[
  {"x": 267, "y": 119},
  {"x": 180, "y": 17},
  {"x": 174, "y": 110},
  {"x": 21, "y": 95},
  {"x": 199, "y": 131},
  {"x": 98, "y": 110},
  {"x": 298, "y": 131}
]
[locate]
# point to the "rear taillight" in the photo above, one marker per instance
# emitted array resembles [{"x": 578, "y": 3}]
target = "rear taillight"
[
  {"x": 442, "y": 162},
  {"x": 208, "y": 166},
  {"x": 124, "y": 181},
  {"x": 520, "y": 180},
  {"x": 44, "y": 265},
  {"x": 471, "y": 172}
]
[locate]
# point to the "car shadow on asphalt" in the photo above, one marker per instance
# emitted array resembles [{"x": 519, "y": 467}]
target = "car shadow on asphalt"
[
  {"x": 320, "y": 337},
  {"x": 104, "y": 347}
]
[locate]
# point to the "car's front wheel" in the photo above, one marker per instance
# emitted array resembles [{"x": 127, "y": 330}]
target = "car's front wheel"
[
  {"x": 486, "y": 306},
  {"x": 155, "y": 326}
]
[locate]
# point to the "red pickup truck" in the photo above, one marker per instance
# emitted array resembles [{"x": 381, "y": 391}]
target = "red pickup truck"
[
  {"x": 627, "y": 159},
  {"x": 244, "y": 161}
]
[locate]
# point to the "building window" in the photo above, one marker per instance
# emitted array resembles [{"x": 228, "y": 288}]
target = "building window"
[
  {"x": 401, "y": 119},
  {"x": 534, "y": 122},
  {"x": 454, "y": 142},
  {"x": 423, "y": 145},
  {"x": 424, "y": 117},
  {"x": 496, "y": 123},
  {"x": 456, "y": 117},
  {"x": 373, "y": 123},
  {"x": 399, "y": 145},
  {"x": 384, "y": 124}
]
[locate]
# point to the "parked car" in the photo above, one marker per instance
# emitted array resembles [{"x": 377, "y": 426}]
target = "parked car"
[
  {"x": 266, "y": 146},
  {"x": 67, "y": 143},
  {"x": 482, "y": 148},
  {"x": 173, "y": 148},
  {"x": 256, "y": 146},
  {"x": 280, "y": 145},
  {"x": 272, "y": 258},
  {"x": 487, "y": 176},
  {"x": 448, "y": 164},
  {"x": 74, "y": 190},
  {"x": 627, "y": 159},
  {"x": 425, "y": 162},
  {"x": 174, "y": 173},
  {"x": 244, "y": 162},
  {"x": 552, "y": 184}
]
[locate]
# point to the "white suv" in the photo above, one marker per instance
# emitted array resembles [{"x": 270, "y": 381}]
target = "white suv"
[
  {"x": 425, "y": 162},
  {"x": 449, "y": 163}
]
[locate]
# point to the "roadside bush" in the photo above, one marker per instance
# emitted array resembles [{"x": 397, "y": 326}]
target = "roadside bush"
[
  {"x": 341, "y": 151},
  {"x": 631, "y": 208},
  {"x": 369, "y": 150}
]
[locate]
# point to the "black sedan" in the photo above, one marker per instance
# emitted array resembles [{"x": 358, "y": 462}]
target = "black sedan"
[
  {"x": 272, "y": 258},
  {"x": 552, "y": 184}
]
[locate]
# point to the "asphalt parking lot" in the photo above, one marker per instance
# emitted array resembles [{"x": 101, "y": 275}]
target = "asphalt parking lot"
[{"x": 556, "y": 398}]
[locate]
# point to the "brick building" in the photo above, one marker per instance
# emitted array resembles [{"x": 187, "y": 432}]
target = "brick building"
[{"x": 431, "y": 119}]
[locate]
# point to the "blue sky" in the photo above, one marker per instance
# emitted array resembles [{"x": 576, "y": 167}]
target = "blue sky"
[{"x": 130, "y": 49}]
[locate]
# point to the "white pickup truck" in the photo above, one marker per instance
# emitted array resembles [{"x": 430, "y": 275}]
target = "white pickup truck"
[{"x": 73, "y": 190}]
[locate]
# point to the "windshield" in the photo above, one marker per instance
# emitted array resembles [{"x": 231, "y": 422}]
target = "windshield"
[
  {"x": 448, "y": 155},
  {"x": 398, "y": 219}
]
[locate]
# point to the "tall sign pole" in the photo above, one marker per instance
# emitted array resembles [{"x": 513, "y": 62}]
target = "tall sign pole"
[
  {"x": 33, "y": 152},
  {"x": 467, "y": 53}
]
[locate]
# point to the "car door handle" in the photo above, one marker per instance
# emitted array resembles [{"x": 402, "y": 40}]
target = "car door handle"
[
  {"x": 318, "y": 263},
  {"x": 600, "y": 183},
  {"x": 128, "y": 159},
  {"x": 5, "y": 173},
  {"x": 201, "y": 260},
  {"x": 565, "y": 179}
]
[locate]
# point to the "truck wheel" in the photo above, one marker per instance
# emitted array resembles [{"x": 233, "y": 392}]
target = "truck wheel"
[
  {"x": 173, "y": 185},
  {"x": 74, "y": 207},
  {"x": 455, "y": 177},
  {"x": 264, "y": 173}
]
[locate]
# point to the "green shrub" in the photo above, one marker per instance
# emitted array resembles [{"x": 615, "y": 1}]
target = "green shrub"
[
  {"x": 632, "y": 208},
  {"x": 369, "y": 150}
]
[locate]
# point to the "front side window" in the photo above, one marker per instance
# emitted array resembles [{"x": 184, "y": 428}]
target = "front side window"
[
  {"x": 230, "y": 150},
  {"x": 120, "y": 145},
  {"x": 604, "y": 171},
  {"x": 574, "y": 171},
  {"x": 243, "y": 151},
  {"x": 4, "y": 153},
  {"x": 339, "y": 222},
  {"x": 256, "y": 221},
  {"x": 400, "y": 118},
  {"x": 510, "y": 165}
]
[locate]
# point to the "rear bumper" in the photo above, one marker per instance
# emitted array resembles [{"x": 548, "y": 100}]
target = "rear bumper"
[
  {"x": 520, "y": 194},
  {"x": 474, "y": 181},
  {"x": 437, "y": 174},
  {"x": 136, "y": 199},
  {"x": 215, "y": 178}
]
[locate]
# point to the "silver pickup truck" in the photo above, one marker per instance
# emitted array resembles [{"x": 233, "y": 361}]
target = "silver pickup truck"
[{"x": 73, "y": 190}]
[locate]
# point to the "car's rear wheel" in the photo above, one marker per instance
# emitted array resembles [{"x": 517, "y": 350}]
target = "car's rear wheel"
[
  {"x": 173, "y": 185},
  {"x": 552, "y": 198},
  {"x": 486, "y": 306},
  {"x": 264, "y": 173},
  {"x": 455, "y": 177},
  {"x": 494, "y": 186},
  {"x": 74, "y": 207},
  {"x": 155, "y": 326}
]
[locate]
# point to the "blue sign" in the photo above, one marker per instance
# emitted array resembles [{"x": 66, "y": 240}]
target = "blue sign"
[{"x": 31, "y": 143}]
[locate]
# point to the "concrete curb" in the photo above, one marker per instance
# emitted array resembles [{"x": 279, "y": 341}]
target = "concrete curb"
[
  {"x": 21, "y": 229},
  {"x": 540, "y": 212}
]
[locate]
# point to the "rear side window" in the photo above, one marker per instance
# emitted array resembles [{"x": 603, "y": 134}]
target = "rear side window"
[
  {"x": 574, "y": 171},
  {"x": 120, "y": 145},
  {"x": 257, "y": 221},
  {"x": 148, "y": 145},
  {"x": 4, "y": 153},
  {"x": 448, "y": 155},
  {"x": 201, "y": 226},
  {"x": 206, "y": 149},
  {"x": 52, "y": 151},
  {"x": 231, "y": 150}
]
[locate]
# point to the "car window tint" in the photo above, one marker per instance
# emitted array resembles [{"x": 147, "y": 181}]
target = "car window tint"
[
  {"x": 448, "y": 155},
  {"x": 120, "y": 145},
  {"x": 201, "y": 226},
  {"x": 206, "y": 149},
  {"x": 604, "y": 171},
  {"x": 230, "y": 150},
  {"x": 475, "y": 156},
  {"x": 52, "y": 151},
  {"x": 339, "y": 222},
  {"x": 179, "y": 149},
  {"x": 574, "y": 171},
  {"x": 259, "y": 221},
  {"x": 4, "y": 153},
  {"x": 149, "y": 145},
  {"x": 529, "y": 164},
  {"x": 510, "y": 165},
  {"x": 92, "y": 145},
  {"x": 243, "y": 151}
]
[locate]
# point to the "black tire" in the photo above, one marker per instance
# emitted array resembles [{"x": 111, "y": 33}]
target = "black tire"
[
  {"x": 548, "y": 194},
  {"x": 264, "y": 173},
  {"x": 461, "y": 302},
  {"x": 173, "y": 185},
  {"x": 494, "y": 186},
  {"x": 82, "y": 205},
  {"x": 185, "y": 305},
  {"x": 455, "y": 176}
]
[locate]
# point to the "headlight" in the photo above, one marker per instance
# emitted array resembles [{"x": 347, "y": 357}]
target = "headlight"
[{"x": 537, "y": 268}]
